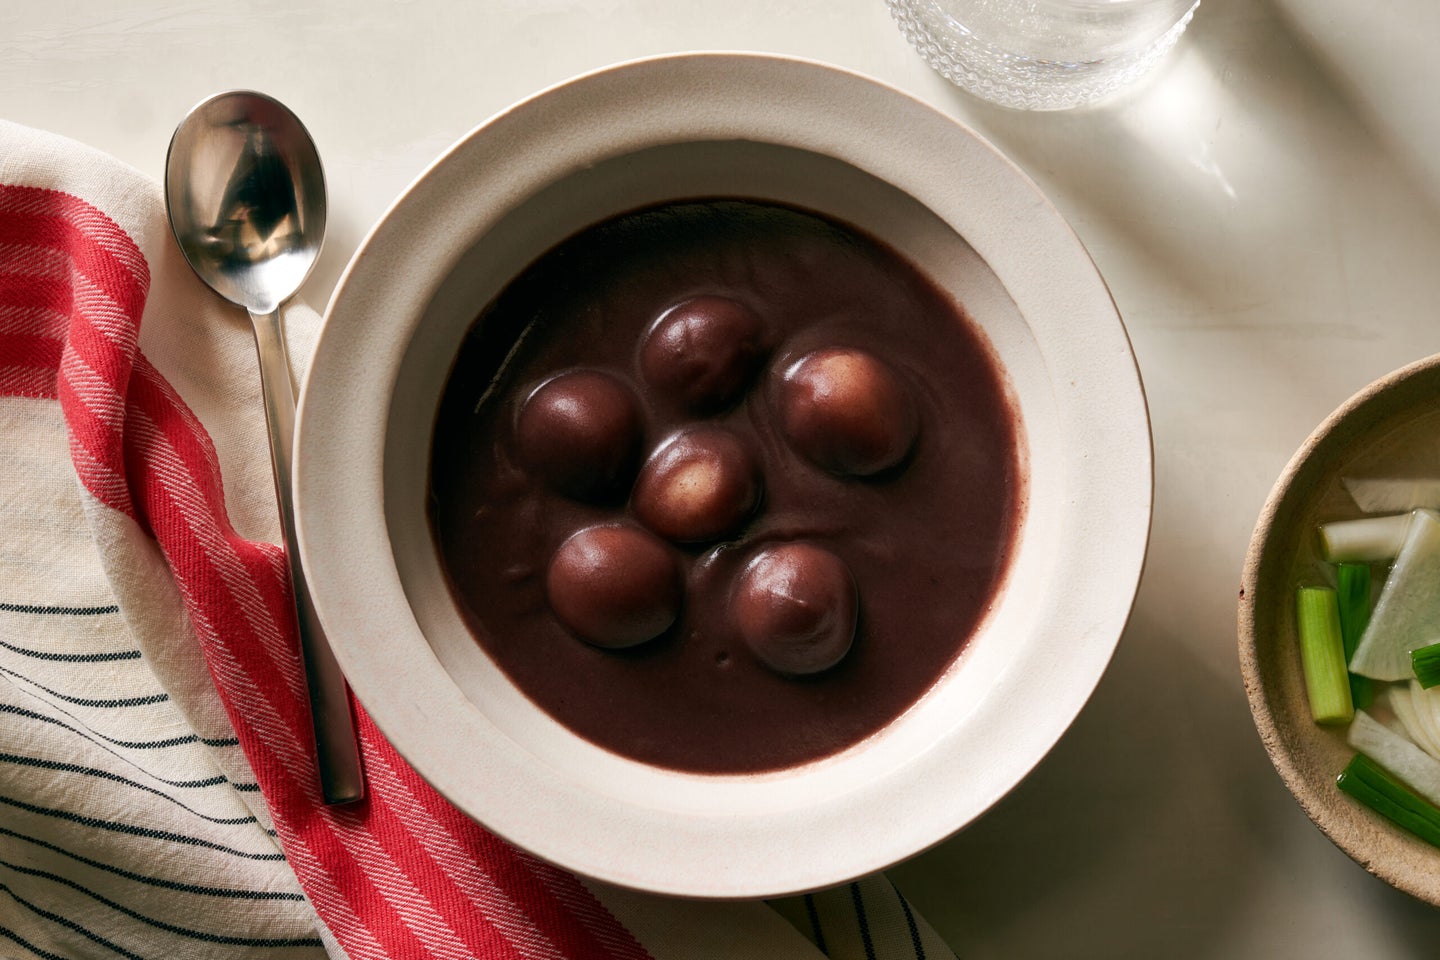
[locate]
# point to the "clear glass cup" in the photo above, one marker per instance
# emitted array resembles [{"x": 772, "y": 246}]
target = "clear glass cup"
[{"x": 1042, "y": 54}]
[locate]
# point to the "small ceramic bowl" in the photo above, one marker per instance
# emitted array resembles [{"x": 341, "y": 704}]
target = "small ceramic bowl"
[
  {"x": 1361, "y": 436},
  {"x": 766, "y": 128}
]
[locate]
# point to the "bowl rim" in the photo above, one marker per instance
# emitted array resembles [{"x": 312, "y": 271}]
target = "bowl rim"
[
  {"x": 781, "y": 853},
  {"x": 1367, "y": 401}
]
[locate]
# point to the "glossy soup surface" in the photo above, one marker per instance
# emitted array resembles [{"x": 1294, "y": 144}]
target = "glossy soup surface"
[{"x": 725, "y": 486}]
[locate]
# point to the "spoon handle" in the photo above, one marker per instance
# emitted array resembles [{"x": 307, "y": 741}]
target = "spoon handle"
[{"x": 336, "y": 749}]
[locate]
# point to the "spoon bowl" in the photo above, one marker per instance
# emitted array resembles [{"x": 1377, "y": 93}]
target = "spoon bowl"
[{"x": 246, "y": 197}]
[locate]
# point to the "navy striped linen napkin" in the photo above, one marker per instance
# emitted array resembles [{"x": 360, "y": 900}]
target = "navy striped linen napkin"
[{"x": 131, "y": 822}]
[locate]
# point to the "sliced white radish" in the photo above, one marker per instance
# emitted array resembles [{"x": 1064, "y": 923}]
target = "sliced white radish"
[
  {"x": 1427, "y": 708},
  {"x": 1393, "y": 494},
  {"x": 1416, "y": 728},
  {"x": 1365, "y": 540},
  {"x": 1407, "y": 614},
  {"x": 1392, "y": 751},
  {"x": 1425, "y": 716}
]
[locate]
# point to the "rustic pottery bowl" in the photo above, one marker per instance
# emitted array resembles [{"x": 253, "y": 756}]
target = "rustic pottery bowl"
[
  {"x": 1369, "y": 428},
  {"x": 766, "y": 128}
]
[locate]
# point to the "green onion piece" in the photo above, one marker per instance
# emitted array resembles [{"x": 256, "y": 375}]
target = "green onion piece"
[
  {"x": 1322, "y": 655},
  {"x": 1354, "y": 599},
  {"x": 1426, "y": 663},
  {"x": 1373, "y": 786},
  {"x": 1366, "y": 539}
]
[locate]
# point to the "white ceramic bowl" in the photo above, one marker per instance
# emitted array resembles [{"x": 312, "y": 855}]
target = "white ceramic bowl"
[{"x": 760, "y": 127}]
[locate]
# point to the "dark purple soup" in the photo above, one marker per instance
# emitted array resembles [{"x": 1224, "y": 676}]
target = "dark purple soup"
[{"x": 725, "y": 486}]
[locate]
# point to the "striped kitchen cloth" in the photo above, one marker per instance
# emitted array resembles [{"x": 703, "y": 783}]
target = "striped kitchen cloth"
[{"x": 156, "y": 792}]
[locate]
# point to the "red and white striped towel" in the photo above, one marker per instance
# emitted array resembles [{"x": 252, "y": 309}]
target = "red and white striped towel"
[{"x": 156, "y": 793}]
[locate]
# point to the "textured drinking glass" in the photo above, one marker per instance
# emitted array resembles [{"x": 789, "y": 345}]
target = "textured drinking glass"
[{"x": 1042, "y": 54}]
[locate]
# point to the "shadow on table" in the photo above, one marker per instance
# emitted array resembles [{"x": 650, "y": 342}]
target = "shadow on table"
[
  {"x": 1157, "y": 827},
  {"x": 1154, "y": 826},
  {"x": 1184, "y": 196}
]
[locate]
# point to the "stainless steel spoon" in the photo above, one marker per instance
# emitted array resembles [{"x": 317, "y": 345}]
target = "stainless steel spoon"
[{"x": 246, "y": 198}]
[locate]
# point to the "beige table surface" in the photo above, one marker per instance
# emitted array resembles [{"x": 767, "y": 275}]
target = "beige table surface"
[{"x": 1267, "y": 243}]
